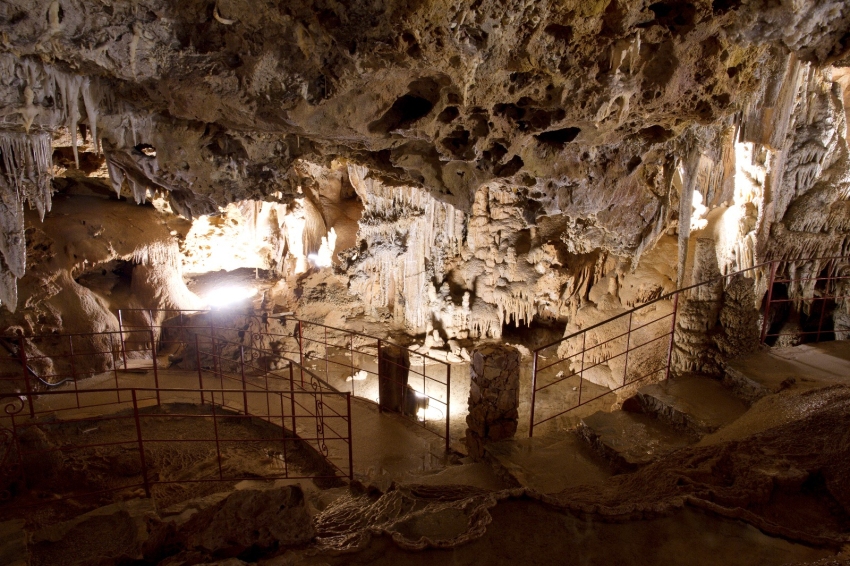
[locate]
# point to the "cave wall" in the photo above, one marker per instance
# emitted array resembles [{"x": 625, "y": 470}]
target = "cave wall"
[{"x": 481, "y": 164}]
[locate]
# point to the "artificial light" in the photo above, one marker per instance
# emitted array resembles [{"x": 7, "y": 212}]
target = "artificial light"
[{"x": 221, "y": 297}]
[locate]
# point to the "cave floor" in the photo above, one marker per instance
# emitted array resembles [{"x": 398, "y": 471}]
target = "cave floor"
[
  {"x": 391, "y": 453},
  {"x": 387, "y": 448},
  {"x": 390, "y": 449},
  {"x": 805, "y": 366}
]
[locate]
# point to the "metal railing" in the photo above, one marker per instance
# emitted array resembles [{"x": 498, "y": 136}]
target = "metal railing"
[
  {"x": 149, "y": 319},
  {"x": 317, "y": 415},
  {"x": 640, "y": 343},
  {"x": 53, "y": 360},
  {"x": 346, "y": 360},
  {"x": 214, "y": 428},
  {"x": 811, "y": 312},
  {"x": 328, "y": 413},
  {"x": 361, "y": 363}
]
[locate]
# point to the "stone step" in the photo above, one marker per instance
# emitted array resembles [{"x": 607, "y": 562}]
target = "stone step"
[
  {"x": 546, "y": 464},
  {"x": 771, "y": 370},
  {"x": 630, "y": 440},
  {"x": 698, "y": 403},
  {"x": 748, "y": 386}
]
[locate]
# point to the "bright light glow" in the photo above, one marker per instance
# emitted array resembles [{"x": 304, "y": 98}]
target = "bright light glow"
[
  {"x": 698, "y": 222},
  {"x": 426, "y": 412},
  {"x": 429, "y": 413},
  {"x": 749, "y": 177},
  {"x": 324, "y": 257},
  {"x": 319, "y": 260},
  {"x": 221, "y": 297},
  {"x": 359, "y": 376}
]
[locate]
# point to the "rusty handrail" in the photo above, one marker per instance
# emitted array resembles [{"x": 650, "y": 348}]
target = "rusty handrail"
[
  {"x": 536, "y": 368},
  {"x": 14, "y": 404},
  {"x": 298, "y": 334}
]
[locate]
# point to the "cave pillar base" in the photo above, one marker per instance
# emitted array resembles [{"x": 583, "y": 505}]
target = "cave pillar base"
[{"x": 493, "y": 397}]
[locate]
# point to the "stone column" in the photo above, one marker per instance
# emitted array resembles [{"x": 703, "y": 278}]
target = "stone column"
[
  {"x": 393, "y": 370},
  {"x": 493, "y": 397}
]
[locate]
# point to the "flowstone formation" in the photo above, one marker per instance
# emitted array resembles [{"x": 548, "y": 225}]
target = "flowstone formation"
[{"x": 455, "y": 169}]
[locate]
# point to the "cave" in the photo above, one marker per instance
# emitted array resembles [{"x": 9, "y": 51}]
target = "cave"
[{"x": 320, "y": 283}]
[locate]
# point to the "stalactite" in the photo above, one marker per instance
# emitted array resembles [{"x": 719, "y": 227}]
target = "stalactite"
[
  {"x": 91, "y": 99},
  {"x": 69, "y": 87},
  {"x": 26, "y": 177},
  {"x": 407, "y": 229},
  {"x": 158, "y": 254},
  {"x": 8, "y": 287}
]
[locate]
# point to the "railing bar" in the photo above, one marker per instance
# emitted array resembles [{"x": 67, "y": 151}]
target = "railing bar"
[
  {"x": 564, "y": 378},
  {"x": 668, "y": 296}
]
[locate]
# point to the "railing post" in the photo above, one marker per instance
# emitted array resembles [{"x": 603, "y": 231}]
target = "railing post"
[
  {"x": 114, "y": 367},
  {"x": 292, "y": 396},
  {"x": 424, "y": 381},
  {"x": 216, "y": 362},
  {"x": 155, "y": 368},
  {"x": 22, "y": 354},
  {"x": 672, "y": 336},
  {"x": 533, "y": 393},
  {"x": 283, "y": 433},
  {"x": 448, "y": 404},
  {"x": 765, "y": 324},
  {"x": 581, "y": 370},
  {"x": 73, "y": 369},
  {"x": 380, "y": 378},
  {"x": 141, "y": 444},
  {"x": 244, "y": 385},
  {"x": 318, "y": 401},
  {"x": 114, "y": 361},
  {"x": 327, "y": 357},
  {"x": 200, "y": 372},
  {"x": 350, "y": 439},
  {"x": 215, "y": 431},
  {"x": 71, "y": 359},
  {"x": 121, "y": 335},
  {"x": 351, "y": 359},
  {"x": 628, "y": 339},
  {"x": 301, "y": 350}
]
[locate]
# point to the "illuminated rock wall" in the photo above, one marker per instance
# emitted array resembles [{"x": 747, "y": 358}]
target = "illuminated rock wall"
[{"x": 482, "y": 167}]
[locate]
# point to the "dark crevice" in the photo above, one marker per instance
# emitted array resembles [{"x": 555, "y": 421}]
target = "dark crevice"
[
  {"x": 655, "y": 134},
  {"x": 558, "y": 138},
  {"x": 510, "y": 168}
]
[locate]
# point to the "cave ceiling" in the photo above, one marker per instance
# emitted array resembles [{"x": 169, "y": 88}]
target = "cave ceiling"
[{"x": 589, "y": 118}]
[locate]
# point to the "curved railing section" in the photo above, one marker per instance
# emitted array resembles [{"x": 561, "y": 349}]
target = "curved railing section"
[
  {"x": 400, "y": 380},
  {"x": 642, "y": 343},
  {"x": 311, "y": 414}
]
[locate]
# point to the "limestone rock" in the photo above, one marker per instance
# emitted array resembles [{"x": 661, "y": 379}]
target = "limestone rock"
[
  {"x": 104, "y": 536},
  {"x": 250, "y": 518}
]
